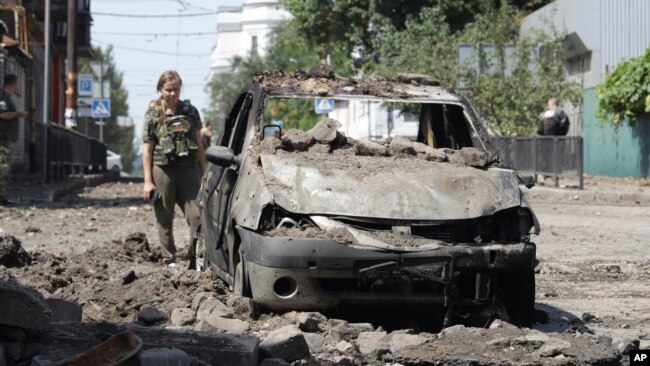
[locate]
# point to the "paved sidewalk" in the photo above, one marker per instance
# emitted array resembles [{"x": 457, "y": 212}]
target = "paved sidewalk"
[
  {"x": 25, "y": 189},
  {"x": 587, "y": 196},
  {"x": 597, "y": 190}
]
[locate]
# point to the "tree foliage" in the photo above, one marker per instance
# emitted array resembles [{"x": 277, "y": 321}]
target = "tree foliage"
[
  {"x": 625, "y": 93},
  {"x": 386, "y": 37},
  {"x": 117, "y": 138},
  {"x": 508, "y": 82}
]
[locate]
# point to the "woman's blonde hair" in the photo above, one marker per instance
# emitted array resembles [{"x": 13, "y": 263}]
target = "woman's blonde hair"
[{"x": 165, "y": 77}]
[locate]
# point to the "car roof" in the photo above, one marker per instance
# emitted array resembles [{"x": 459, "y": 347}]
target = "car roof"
[{"x": 407, "y": 87}]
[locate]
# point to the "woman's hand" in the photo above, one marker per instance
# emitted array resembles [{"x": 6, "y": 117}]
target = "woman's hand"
[{"x": 148, "y": 188}]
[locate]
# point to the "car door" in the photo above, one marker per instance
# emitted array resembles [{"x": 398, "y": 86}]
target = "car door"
[{"x": 219, "y": 186}]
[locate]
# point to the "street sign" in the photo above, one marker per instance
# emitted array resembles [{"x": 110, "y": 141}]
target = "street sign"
[
  {"x": 323, "y": 105},
  {"x": 101, "y": 94},
  {"x": 84, "y": 106},
  {"x": 96, "y": 67},
  {"x": 101, "y": 108},
  {"x": 85, "y": 85}
]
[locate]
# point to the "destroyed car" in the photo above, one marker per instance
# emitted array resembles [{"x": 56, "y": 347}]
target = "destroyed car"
[{"x": 395, "y": 196}]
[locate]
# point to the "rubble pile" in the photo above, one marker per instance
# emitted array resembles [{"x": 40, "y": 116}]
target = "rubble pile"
[
  {"x": 325, "y": 138},
  {"x": 181, "y": 314}
]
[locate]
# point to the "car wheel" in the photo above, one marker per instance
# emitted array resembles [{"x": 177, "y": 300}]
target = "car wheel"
[
  {"x": 199, "y": 253},
  {"x": 518, "y": 296},
  {"x": 241, "y": 286}
]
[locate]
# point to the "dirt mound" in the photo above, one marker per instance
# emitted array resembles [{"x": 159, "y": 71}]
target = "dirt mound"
[
  {"x": 112, "y": 281},
  {"x": 12, "y": 253}
]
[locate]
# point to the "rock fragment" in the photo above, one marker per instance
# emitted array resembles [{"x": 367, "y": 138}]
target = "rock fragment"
[
  {"x": 402, "y": 145},
  {"x": 22, "y": 306},
  {"x": 150, "y": 315},
  {"x": 369, "y": 342},
  {"x": 235, "y": 326},
  {"x": 270, "y": 145},
  {"x": 183, "y": 316},
  {"x": 296, "y": 140},
  {"x": 366, "y": 147},
  {"x": 310, "y": 322},
  {"x": 128, "y": 277},
  {"x": 325, "y": 131},
  {"x": 286, "y": 343},
  {"x": 12, "y": 253},
  {"x": 212, "y": 307}
]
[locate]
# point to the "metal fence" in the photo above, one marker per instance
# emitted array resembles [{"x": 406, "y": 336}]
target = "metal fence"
[
  {"x": 69, "y": 152},
  {"x": 554, "y": 156}
]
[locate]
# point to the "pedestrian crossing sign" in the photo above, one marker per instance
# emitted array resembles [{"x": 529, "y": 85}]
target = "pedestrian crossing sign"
[
  {"x": 101, "y": 108},
  {"x": 322, "y": 105}
]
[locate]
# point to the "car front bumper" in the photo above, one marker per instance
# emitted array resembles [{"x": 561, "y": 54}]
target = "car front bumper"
[{"x": 316, "y": 274}]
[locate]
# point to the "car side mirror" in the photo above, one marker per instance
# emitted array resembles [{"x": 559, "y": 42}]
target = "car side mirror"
[
  {"x": 271, "y": 130},
  {"x": 221, "y": 156}
]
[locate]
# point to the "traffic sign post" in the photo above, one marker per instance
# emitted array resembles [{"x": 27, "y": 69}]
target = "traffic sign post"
[
  {"x": 101, "y": 108},
  {"x": 322, "y": 106},
  {"x": 85, "y": 85}
]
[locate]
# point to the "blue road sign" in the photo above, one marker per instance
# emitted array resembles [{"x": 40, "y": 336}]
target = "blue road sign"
[
  {"x": 85, "y": 87},
  {"x": 323, "y": 105},
  {"x": 101, "y": 108}
]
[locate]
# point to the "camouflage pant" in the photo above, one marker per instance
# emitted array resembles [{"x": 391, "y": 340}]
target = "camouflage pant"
[{"x": 6, "y": 149}]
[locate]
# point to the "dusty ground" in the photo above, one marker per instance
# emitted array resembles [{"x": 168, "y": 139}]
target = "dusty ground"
[{"x": 593, "y": 280}]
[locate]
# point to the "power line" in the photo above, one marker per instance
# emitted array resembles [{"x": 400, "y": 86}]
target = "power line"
[
  {"x": 154, "y": 16},
  {"x": 153, "y": 51},
  {"x": 156, "y": 34}
]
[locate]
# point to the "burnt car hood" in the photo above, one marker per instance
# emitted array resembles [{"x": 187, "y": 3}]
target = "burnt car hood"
[{"x": 406, "y": 188}]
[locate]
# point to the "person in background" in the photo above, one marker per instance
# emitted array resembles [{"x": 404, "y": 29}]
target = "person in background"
[
  {"x": 553, "y": 121},
  {"x": 9, "y": 119},
  {"x": 173, "y": 161},
  {"x": 206, "y": 134}
]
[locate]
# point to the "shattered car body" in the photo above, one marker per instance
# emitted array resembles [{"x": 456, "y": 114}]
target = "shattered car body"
[{"x": 317, "y": 219}]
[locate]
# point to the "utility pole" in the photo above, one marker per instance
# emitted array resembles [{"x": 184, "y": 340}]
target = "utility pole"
[
  {"x": 71, "y": 89},
  {"x": 46, "y": 95}
]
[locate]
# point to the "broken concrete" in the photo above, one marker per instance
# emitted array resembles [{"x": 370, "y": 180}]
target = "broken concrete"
[
  {"x": 325, "y": 131},
  {"x": 286, "y": 343},
  {"x": 150, "y": 315},
  {"x": 183, "y": 316},
  {"x": 235, "y": 326},
  {"x": 22, "y": 306},
  {"x": 212, "y": 307},
  {"x": 63, "y": 310},
  {"x": 296, "y": 140},
  {"x": 12, "y": 253},
  {"x": 402, "y": 145},
  {"x": 366, "y": 147},
  {"x": 62, "y": 340}
]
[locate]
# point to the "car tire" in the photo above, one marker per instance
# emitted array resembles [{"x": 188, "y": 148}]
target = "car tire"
[
  {"x": 518, "y": 297},
  {"x": 241, "y": 285}
]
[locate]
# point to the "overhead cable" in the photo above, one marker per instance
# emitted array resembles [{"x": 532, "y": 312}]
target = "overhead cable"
[{"x": 154, "y": 16}]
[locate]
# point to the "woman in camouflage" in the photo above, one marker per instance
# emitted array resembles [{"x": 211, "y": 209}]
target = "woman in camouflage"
[{"x": 173, "y": 159}]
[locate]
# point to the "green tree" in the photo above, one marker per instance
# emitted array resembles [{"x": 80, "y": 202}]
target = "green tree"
[
  {"x": 625, "y": 93},
  {"x": 117, "y": 138},
  {"x": 508, "y": 82}
]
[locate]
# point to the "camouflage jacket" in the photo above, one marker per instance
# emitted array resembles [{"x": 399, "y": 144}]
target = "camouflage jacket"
[{"x": 174, "y": 139}]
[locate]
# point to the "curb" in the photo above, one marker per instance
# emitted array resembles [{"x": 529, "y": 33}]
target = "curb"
[
  {"x": 72, "y": 185},
  {"x": 556, "y": 195},
  {"x": 76, "y": 185}
]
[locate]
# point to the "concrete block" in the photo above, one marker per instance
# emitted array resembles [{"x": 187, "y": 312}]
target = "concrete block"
[
  {"x": 368, "y": 342},
  {"x": 229, "y": 325},
  {"x": 160, "y": 356},
  {"x": 212, "y": 306},
  {"x": 63, "y": 310},
  {"x": 22, "y": 306},
  {"x": 287, "y": 343},
  {"x": 182, "y": 316}
]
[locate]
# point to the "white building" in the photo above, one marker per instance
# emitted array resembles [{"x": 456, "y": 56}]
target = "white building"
[{"x": 241, "y": 29}]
